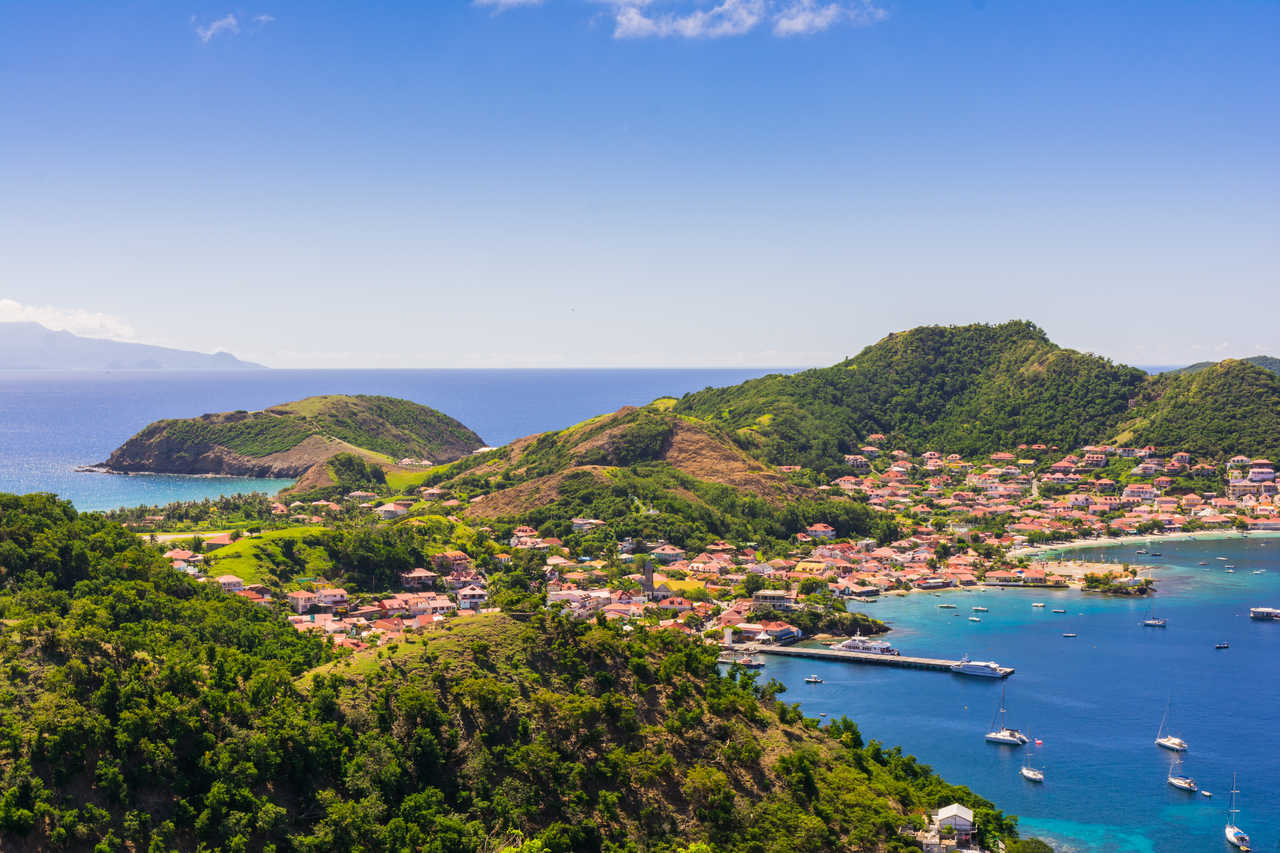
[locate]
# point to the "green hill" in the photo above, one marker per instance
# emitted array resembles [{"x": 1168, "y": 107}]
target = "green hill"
[
  {"x": 964, "y": 389},
  {"x": 144, "y": 711},
  {"x": 1226, "y": 408},
  {"x": 287, "y": 440},
  {"x": 1265, "y": 361}
]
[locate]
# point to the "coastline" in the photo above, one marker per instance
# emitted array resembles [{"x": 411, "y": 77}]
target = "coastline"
[{"x": 1138, "y": 538}]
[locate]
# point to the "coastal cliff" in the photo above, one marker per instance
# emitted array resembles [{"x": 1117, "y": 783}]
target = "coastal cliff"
[{"x": 290, "y": 439}]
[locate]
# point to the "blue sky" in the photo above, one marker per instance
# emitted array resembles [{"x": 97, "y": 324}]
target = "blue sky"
[{"x": 671, "y": 182}]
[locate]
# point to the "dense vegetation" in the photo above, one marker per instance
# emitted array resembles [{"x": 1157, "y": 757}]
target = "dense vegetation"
[
  {"x": 387, "y": 426},
  {"x": 1231, "y": 407},
  {"x": 964, "y": 389},
  {"x": 146, "y": 711},
  {"x": 1265, "y": 361}
]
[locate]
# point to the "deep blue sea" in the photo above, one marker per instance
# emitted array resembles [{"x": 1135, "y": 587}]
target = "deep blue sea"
[
  {"x": 51, "y": 422},
  {"x": 1096, "y": 701}
]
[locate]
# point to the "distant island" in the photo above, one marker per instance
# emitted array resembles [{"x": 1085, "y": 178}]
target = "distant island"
[
  {"x": 297, "y": 439},
  {"x": 31, "y": 346}
]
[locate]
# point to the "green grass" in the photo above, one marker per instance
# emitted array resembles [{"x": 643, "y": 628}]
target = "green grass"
[{"x": 240, "y": 558}]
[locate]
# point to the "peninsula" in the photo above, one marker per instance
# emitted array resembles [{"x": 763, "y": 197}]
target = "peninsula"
[{"x": 31, "y": 346}]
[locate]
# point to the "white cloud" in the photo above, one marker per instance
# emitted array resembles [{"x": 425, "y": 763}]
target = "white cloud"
[
  {"x": 263, "y": 20},
  {"x": 78, "y": 321},
  {"x": 226, "y": 24},
  {"x": 709, "y": 19},
  {"x": 503, "y": 5},
  {"x": 803, "y": 17},
  {"x": 726, "y": 18}
]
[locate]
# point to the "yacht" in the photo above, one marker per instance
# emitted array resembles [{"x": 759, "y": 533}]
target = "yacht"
[
  {"x": 984, "y": 668},
  {"x": 1183, "y": 783},
  {"x": 1236, "y": 836},
  {"x": 1169, "y": 741},
  {"x": 812, "y": 679},
  {"x": 1004, "y": 734},
  {"x": 1265, "y": 613},
  {"x": 859, "y": 643},
  {"x": 1031, "y": 774},
  {"x": 1149, "y": 621}
]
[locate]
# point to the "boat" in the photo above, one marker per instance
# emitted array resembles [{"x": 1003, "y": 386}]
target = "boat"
[
  {"x": 750, "y": 663},
  {"x": 1265, "y": 613},
  {"x": 1259, "y": 571},
  {"x": 980, "y": 609},
  {"x": 974, "y": 619},
  {"x": 1141, "y": 551},
  {"x": 946, "y": 606},
  {"x": 1059, "y": 611},
  {"x": 983, "y": 668},
  {"x": 812, "y": 679},
  {"x": 1182, "y": 783},
  {"x": 1004, "y": 734},
  {"x": 1206, "y": 794},
  {"x": 1149, "y": 621},
  {"x": 1156, "y": 554},
  {"x": 1222, "y": 646},
  {"x": 1231, "y": 570},
  {"x": 1031, "y": 774},
  {"x": 1204, "y": 562},
  {"x": 1236, "y": 836},
  {"x": 1070, "y": 634},
  {"x": 1222, "y": 558},
  {"x": 1169, "y": 741},
  {"x": 1037, "y": 604},
  {"x": 859, "y": 643}
]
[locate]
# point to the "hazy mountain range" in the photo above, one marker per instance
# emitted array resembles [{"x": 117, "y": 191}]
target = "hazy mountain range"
[{"x": 31, "y": 346}]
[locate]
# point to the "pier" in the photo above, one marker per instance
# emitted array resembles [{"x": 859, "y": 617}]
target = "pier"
[{"x": 900, "y": 661}]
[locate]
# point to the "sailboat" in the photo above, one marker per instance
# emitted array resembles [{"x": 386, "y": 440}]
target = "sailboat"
[
  {"x": 1004, "y": 734},
  {"x": 1031, "y": 774},
  {"x": 1183, "y": 783},
  {"x": 1235, "y": 835},
  {"x": 1149, "y": 621},
  {"x": 1172, "y": 742}
]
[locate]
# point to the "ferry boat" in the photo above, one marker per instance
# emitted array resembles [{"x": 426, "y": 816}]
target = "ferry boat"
[
  {"x": 812, "y": 679},
  {"x": 1236, "y": 836},
  {"x": 1004, "y": 734},
  {"x": 1169, "y": 741},
  {"x": 983, "y": 668},
  {"x": 1265, "y": 613},
  {"x": 859, "y": 643}
]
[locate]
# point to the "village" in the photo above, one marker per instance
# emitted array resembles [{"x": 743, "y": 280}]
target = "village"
[{"x": 964, "y": 523}]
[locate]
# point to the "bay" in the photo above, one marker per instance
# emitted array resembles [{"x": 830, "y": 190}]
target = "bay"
[{"x": 1096, "y": 701}]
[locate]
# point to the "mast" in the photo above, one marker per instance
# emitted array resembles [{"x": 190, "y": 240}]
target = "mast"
[{"x": 1233, "y": 811}]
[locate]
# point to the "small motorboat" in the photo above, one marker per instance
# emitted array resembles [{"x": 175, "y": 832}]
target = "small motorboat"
[
  {"x": 974, "y": 619},
  {"x": 1156, "y": 554},
  {"x": 1204, "y": 562},
  {"x": 1222, "y": 645},
  {"x": 1056, "y": 610},
  {"x": 1230, "y": 570},
  {"x": 1037, "y": 604},
  {"x": 1141, "y": 551},
  {"x": 1071, "y": 634},
  {"x": 812, "y": 679},
  {"x": 946, "y": 606},
  {"x": 979, "y": 609},
  {"x": 1206, "y": 793},
  {"x": 822, "y": 713}
]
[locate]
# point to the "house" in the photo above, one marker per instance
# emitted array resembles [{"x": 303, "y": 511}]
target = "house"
[
  {"x": 389, "y": 511},
  {"x": 471, "y": 597},
  {"x": 332, "y": 597},
  {"x": 675, "y": 604},
  {"x": 582, "y": 525},
  {"x": 418, "y": 579},
  {"x": 667, "y": 553},
  {"x": 778, "y": 599},
  {"x": 301, "y": 601},
  {"x": 451, "y": 561},
  {"x": 951, "y": 829},
  {"x": 229, "y": 583},
  {"x": 213, "y": 543},
  {"x": 820, "y": 530}
]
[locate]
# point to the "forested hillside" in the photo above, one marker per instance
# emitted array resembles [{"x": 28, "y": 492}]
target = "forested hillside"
[
  {"x": 144, "y": 711},
  {"x": 964, "y": 389}
]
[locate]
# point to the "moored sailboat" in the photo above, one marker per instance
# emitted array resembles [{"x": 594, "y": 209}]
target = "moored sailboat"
[
  {"x": 1236, "y": 836},
  {"x": 1169, "y": 741},
  {"x": 1004, "y": 734}
]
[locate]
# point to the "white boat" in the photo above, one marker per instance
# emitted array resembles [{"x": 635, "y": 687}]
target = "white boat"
[
  {"x": 1149, "y": 621},
  {"x": 1059, "y": 610},
  {"x": 812, "y": 679},
  {"x": 980, "y": 609},
  {"x": 859, "y": 643},
  {"x": 1037, "y": 604},
  {"x": 1236, "y": 836},
  {"x": 974, "y": 619},
  {"x": 1176, "y": 744},
  {"x": 1031, "y": 774},
  {"x": 1004, "y": 734},
  {"x": 947, "y": 606},
  {"x": 984, "y": 668},
  {"x": 1183, "y": 783},
  {"x": 1070, "y": 634},
  {"x": 1265, "y": 613}
]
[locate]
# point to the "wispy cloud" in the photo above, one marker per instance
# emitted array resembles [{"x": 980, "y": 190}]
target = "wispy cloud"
[
  {"x": 88, "y": 323},
  {"x": 226, "y": 24},
  {"x": 263, "y": 20},
  {"x": 713, "y": 19},
  {"x": 803, "y": 17},
  {"x": 725, "y": 18},
  {"x": 503, "y": 5}
]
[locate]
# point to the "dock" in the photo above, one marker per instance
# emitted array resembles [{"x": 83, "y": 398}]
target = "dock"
[{"x": 900, "y": 661}]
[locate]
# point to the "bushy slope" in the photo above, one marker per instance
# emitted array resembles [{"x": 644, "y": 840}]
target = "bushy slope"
[
  {"x": 1269, "y": 362},
  {"x": 286, "y": 440},
  {"x": 966, "y": 389},
  {"x": 144, "y": 711},
  {"x": 1227, "y": 408}
]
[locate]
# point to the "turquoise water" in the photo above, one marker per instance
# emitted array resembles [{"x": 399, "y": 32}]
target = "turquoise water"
[
  {"x": 53, "y": 421},
  {"x": 1096, "y": 701}
]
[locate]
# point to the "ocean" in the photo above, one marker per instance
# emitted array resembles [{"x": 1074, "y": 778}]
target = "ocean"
[
  {"x": 53, "y": 421},
  {"x": 1096, "y": 701}
]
